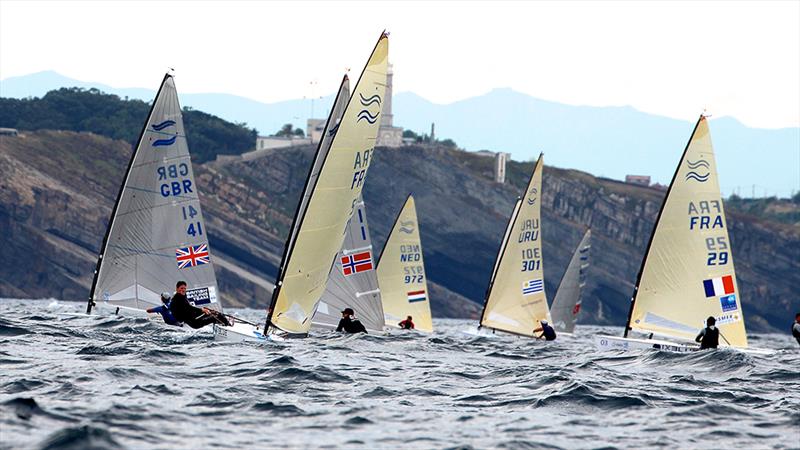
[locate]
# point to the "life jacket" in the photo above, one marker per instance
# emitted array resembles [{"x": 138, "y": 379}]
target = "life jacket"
[
  {"x": 795, "y": 332},
  {"x": 710, "y": 338},
  {"x": 407, "y": 325},
  {"x": 549, "y": 332}
]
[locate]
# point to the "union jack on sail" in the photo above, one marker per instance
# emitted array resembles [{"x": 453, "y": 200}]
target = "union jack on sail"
[{"x": 191, "y": 256}]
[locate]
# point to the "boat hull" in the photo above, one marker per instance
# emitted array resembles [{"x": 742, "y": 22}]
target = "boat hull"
[
  {"x": 619, "y": 343},
  {"x": 240, "y": 332}
]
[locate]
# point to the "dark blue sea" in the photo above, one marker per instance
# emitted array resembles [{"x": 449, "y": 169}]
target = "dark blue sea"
[{"x": 101, "y": 382}]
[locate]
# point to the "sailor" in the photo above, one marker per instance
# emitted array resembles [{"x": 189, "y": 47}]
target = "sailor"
[
  {"x": 407, "y": 324},
  {"x": 709, "y": 336},
  {"x": 166, "y": 314},
  {"x": 796, "y": 327},
  {"x": 548, "y": 332},
  {"x": 195, "y": 317},
  {"x": 350, "y": 324}
]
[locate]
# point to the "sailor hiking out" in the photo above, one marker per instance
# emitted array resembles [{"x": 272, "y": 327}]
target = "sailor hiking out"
[
  {"x": 349, "y": 323},
  {"x": 195, "y": 317},
  {"x": 709, "y": 336}
]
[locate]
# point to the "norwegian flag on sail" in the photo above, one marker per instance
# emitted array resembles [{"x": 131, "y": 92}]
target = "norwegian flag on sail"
[
  {"x": 191, "y": 256},
  {"x": 357, "y": 262}
]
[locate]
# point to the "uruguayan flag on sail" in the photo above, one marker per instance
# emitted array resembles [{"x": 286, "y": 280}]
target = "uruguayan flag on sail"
[{"x": 532, "y": 286}]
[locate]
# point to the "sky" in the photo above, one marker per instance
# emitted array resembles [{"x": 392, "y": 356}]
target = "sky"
[{"x": 739, "y": 59}]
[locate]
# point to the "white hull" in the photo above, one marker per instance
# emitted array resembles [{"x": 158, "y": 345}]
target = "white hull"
[
  {"x": 242, "y": 332},
  {"x": 620, "y": 343}
]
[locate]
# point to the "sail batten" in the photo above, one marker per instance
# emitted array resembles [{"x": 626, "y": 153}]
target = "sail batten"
[
  {"x": 333, "y": 186},
  {"x": 515, "y": 300},
  {"x": 567, "y": 303},
  {"x": 688, "y": 273},
  {"x": 401, "y": 272},
  {"x": 156, "y": 235}
]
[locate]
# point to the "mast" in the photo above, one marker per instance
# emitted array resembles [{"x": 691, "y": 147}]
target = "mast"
[
  {"x": 104, "y": 246},
  {"x": 513, "y": 222},
  {"x": 655, "y": 227}
]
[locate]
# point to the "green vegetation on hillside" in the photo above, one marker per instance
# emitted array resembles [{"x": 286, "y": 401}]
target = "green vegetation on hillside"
[
  {"x": 287, "y": 130},
  {"x": 769, "y": 208},
  {"x": 77, "y": 109}
]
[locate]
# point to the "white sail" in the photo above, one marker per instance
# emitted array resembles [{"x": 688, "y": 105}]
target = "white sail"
[
  {"x": 516, "y": 300},
  {"x": 157, "y": 235},
  {"x": 353, "y": 282},
  {"x": 310, "y": 256},
  {"x": 401, "y": 273},
  {"x": 567, "y": 304},
  {"x": 687, "y": 273}
]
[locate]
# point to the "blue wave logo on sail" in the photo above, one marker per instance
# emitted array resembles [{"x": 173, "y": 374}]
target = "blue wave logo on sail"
[
  {"x": 333, "y": 130},
  {"x": 164, "y": 124},
  {"x": 165, "y": 142},
  {"x": 371, "y": 100},
  {"x": 696, "y": 170},
  {"x": 407, "y": 227},
  {"x": 532, "y": 196},
  {"x": 365, "y": 115}
]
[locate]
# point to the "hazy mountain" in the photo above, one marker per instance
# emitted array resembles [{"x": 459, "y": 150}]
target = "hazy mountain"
[{"x": 606, "y": 141}]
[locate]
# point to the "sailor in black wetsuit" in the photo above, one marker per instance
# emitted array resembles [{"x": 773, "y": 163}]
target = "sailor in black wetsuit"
[
  {"x": 195, "y": 317},
  {"x": 349, "y": 323},
  {"x": 796, "y": 327},
  {"x": 709, "y": 336},
  {"x": 548, "y": 332}
]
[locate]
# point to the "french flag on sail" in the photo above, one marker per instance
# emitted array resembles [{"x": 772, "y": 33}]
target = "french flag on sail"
[{"x": 716, "y": 287}]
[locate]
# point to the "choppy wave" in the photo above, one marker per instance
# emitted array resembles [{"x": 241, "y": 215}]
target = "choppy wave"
[{"x": 70, "y": 381}]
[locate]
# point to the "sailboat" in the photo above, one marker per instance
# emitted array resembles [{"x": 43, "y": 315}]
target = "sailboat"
[
  {"x": 329, "y": 198},
  {"x": 353, "y": 282},
  {"x": 157, "y": 234},
  {"x": 401, "y": 273},
  {"x": 515, "y": 299},
  {"x": 567, "y": 304},
  {"x": 687, "y": 273}
]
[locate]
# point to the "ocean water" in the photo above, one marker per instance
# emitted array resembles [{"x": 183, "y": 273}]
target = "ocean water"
[{"x": 92, "y": 382}]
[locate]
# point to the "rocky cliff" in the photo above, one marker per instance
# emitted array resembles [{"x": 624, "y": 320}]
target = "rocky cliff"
[{"x": 57, "y": 189}]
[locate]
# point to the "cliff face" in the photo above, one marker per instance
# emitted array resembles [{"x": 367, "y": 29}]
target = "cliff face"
[{"x": 57, "y": 190}]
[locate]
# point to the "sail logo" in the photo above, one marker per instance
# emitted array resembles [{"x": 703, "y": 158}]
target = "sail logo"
[
  {"x": 416, "y": 296},
  {"x": 728, "y": 303},
  {"x": 164, "y": 124},
  {"x": 532, "y": 196},
  {"x": 193, "y": 255},
  {"x": 533, "y": 286},
  {"x": 715, "y": 287},
  {"x": 164, "y": 142},
  {"x": 698, "y": 170},
  {"x": 366, "y": 102},
  {"x": 407, "y": 226},
  {"x": 357, "y": 262}
]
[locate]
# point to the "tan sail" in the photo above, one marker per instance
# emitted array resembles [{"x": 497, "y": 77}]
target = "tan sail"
[
  {"x": 321, "y": 232},
  {"x": 687, "y": 274},
  {"x": 401, "y": 273},
  {"x": 516, "y": 298}
]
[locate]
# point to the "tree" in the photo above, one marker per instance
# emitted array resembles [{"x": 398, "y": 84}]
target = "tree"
[{"x": 286, "y": 130}]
